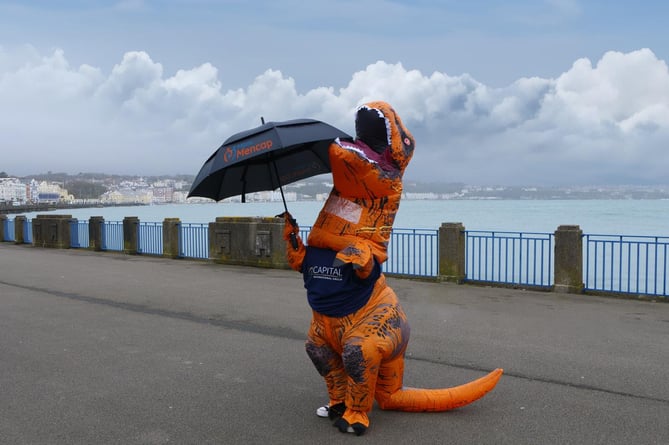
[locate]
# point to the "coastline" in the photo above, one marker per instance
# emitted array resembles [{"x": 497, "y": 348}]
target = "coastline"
[{"x": 32, "y": 208}]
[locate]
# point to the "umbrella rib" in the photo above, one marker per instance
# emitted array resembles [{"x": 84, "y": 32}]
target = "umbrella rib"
[
  {"x": 278, "y": 180},
  {"x": 220, "y": 184},
  {"x": 244, "y": 171}
]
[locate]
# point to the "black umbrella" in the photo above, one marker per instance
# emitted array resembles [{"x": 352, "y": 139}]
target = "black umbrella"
[{"x": 266, "y": 158}]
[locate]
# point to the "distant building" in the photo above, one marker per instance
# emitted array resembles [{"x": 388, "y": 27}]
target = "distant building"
[
  {"x": 421, "y": 196},
  {"x": 127, "y": 196},
  {"x": 179, "y": 197},
  {"x": 13, "y": 191},
  {"x": 271, "y": 196},
  {"x": 48, "y": 198},
  {"x": 162, "y": 195},
  {"x": 33, "y": 190},
  {"x": 51, "y": 193}
]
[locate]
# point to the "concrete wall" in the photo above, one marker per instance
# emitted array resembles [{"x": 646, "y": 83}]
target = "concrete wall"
[
  {"x": 248, "y": 241},
  {"x": 51, "y": 231}
]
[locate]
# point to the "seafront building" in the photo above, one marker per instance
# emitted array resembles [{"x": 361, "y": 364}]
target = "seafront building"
[
  {"x": 15, "y": 192},
  {"x": 139, "y": 191},
  {"x": 49, "y": 192}
]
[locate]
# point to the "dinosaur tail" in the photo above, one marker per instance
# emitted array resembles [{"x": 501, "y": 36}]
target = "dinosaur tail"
[{"x": 443, "y": 399}]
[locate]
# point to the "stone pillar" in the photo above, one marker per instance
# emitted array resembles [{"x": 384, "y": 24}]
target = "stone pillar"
[
  {"x": 19, "y": 225},
  {"x": 130, "y": 235},
  {"x": 452, "y": 252},
  {"x": 38, "y": 233},
  {"x": 3, "y": 224},
  {"x": 248, "y": 241},
  {"x": 52, "y": 231},
  {"x": 569, "y": 259},
  {"x": 95, "y": 241},
  {"x": 171, "y": 237}
]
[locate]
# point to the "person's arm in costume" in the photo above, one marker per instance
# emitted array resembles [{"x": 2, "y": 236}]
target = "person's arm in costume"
[
  {"x": 295, "y": 249},
  {"x": 360, "y": 255}
]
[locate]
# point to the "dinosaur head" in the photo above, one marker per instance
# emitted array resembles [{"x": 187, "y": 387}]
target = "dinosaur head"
[{"x": 380, "y": 127}]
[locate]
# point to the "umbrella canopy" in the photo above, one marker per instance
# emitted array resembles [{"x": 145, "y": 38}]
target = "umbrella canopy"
[{"x": 265, "y": 158}]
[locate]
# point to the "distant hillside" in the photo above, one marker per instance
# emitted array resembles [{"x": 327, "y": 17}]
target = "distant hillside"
[{"x": 430, "y": 190}]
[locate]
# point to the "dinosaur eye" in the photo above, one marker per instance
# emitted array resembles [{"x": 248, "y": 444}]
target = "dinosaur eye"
[{"x": 407, "y": 141}]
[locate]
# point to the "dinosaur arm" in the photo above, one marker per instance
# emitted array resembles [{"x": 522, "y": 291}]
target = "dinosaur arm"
[
  {"x": 360, "y": 255},
  {"x": 295, "y": 249}
]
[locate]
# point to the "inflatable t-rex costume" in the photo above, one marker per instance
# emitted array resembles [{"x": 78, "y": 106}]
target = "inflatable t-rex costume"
[{"x": 359, "y": 332}]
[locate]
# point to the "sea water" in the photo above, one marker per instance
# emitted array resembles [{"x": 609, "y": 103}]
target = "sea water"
[{"x": 610, "y": 217}]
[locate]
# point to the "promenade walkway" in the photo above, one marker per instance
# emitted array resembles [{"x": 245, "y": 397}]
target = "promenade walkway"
[{"x": 106, "y": 348}]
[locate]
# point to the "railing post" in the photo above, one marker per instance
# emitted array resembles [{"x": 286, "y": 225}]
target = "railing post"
[
  {"x": 19, "y": 225},
  {"x": 95, "y": 241},
  {"x": 171, "y": 237},
  {"x": 3, "y": 224},
  {"x": 130, "y": 235},
  {"x": 452, "y": 252},
  {"x": 569, "y": 259}
]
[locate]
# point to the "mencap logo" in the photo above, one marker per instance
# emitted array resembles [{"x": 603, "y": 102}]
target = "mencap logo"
[
  {"x": 228, "y": 154},
  {"x": 239, "y": 151}
]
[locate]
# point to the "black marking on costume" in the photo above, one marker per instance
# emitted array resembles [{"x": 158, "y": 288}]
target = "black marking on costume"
[
  {"x": 321, "y": 357},
  {"x": 354, "y": 362}
]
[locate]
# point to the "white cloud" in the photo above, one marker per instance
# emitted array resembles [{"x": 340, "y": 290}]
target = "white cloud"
[
  {"x": 595, "y": 123},
  {"x": 135, "y": 74}
]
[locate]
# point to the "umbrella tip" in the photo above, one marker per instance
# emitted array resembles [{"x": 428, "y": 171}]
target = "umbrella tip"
[{"x": 262, "y": 120}]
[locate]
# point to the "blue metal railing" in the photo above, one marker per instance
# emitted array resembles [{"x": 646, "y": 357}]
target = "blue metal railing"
[
  {"x": 626, "y": 264},
  {"x": 150, "y": 238},
  {"x": 8, "y": 233},
  {"x": 79, "y": 234},
  {"x": 413, "y": 252},
  {"x": 612, "y": 263},
  {"x": 27, "y": 231},
  {"x": 304, "y": 232},
  {"x": 112, "y": 235},
  {"x": 194, "y": 240},
  {"x": 509, "y": 257}
]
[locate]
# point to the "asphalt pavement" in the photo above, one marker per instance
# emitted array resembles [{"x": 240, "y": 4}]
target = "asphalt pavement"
[{"x": 106, "y": 348}]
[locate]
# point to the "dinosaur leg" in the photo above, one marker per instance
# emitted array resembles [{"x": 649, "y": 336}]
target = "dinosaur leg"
[
  {"x": 379, "y": 331},
  {"x": 328, "y": 362},
  {"x": 389, "y": 382}
]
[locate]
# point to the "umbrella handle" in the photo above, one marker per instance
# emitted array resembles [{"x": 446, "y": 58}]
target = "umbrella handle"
[{"x": 293, "y": 222}]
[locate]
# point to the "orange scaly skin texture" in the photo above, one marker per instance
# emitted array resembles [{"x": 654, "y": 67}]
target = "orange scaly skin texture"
[
  {"x": 361, "y": 355},
  {"x": 362, "y": 206},
  {"x": 444, "y": 399}
]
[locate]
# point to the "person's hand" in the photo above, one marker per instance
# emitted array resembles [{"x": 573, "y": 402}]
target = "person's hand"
[{"x": 288, "y": 218}]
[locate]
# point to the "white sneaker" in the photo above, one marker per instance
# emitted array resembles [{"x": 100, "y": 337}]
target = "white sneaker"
[{"x": 323, "y": 411}]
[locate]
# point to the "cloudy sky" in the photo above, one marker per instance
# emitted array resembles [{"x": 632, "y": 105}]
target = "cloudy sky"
[{"x": 515, "y": 92}]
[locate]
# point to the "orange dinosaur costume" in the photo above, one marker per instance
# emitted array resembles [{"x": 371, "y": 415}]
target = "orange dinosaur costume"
[{"x": 359, "y": 332}]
